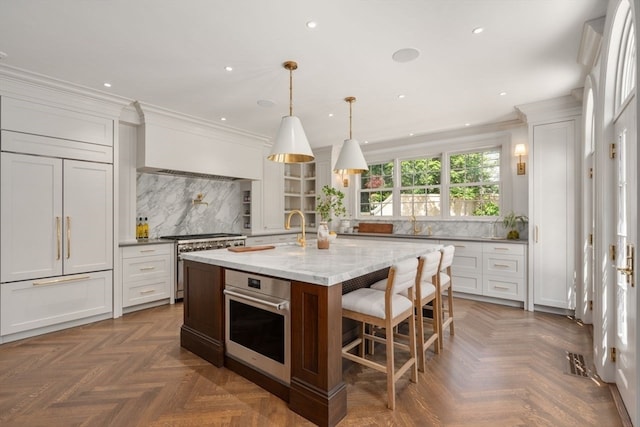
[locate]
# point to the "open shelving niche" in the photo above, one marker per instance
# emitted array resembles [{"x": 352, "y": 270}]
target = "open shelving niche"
[{"x": 300, "y": 192}]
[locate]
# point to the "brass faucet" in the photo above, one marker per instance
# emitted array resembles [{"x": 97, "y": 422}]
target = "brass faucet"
[
  {"x": 301, "y": 240},
  {"x": 416, "y": 230}
]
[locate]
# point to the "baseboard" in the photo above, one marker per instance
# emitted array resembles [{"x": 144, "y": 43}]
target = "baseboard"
[{"x": 622, "y": 410}]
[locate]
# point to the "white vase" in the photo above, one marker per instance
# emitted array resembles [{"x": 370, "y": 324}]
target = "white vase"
[{"x": 323, "y": 235}]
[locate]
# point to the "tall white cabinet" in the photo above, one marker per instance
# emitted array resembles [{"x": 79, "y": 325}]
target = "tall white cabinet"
[
  {"x": 56, "y": 215},
  {"x": 553, "y": 140}
]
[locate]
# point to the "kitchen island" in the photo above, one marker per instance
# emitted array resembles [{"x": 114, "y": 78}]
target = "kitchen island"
[{"x": 316, "y": 389}]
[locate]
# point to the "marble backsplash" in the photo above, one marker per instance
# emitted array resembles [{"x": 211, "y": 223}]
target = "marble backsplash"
[{"x": 167, "y": 202}]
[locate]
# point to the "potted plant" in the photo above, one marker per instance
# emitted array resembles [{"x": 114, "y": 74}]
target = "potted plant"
[
  {"x": 329, "y": 203},
  {"x": 512, "y": 222}
]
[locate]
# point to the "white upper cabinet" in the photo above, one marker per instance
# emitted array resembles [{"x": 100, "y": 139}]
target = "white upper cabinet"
[{"x": 40, "y": 119}]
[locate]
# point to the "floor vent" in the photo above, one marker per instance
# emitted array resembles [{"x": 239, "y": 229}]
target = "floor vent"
[{"x": 576, "y": 365}]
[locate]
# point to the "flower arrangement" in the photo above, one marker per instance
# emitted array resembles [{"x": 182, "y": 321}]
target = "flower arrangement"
[
  {"x": 375, "y": 181},
  {"x": 330, "y": 202},
  {"x": 511, "y": 222}
]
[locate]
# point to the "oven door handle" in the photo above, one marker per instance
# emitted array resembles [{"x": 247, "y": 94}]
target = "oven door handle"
[{"x": 278, "y": 306}]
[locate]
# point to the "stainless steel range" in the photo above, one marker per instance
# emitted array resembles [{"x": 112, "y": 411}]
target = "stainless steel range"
[{"x": 200, "y": 242}]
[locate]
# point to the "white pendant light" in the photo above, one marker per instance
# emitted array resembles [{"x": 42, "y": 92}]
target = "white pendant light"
[
  {"x": 291, "y": 144},
  {"x": 350, "y": 160}
]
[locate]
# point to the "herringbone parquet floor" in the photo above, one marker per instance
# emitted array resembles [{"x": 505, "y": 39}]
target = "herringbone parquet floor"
[{"x": 504, "y": 367}]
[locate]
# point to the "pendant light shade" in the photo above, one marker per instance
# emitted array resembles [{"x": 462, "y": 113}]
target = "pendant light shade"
[
  {"x": 350, "y": 160},
  {"x": 291, "y": 144}
]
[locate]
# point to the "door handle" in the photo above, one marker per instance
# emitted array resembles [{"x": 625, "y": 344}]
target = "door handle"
[
  {"x": 68, "y": 237},
  {"x": 58, "y": 238},
  {"x": 628, "y": 269}
]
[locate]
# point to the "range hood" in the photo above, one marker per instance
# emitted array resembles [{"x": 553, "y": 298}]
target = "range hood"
[{"x": 176, "y": 144}]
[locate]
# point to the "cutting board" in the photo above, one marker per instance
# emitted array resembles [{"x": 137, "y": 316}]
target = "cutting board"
[
  {"x": 374, "y": 227},
  {"x": 250, "y": 248}
]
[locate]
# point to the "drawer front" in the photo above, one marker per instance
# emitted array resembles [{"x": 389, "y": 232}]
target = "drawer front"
[
  {"x": 466, "y": 262},
  {"x": 503, "y": 248},
  {"x": 504, "y": 265},
  {"x": 463, "y": 248},
  {"x": 146, "y": 250},
  {"x": 145, "y": 268},
  {"x": 467, "y": 283},
  {"x": 146, "y": 291},
  {"x": 511, "y": 289},
  {"x": 34, "y": 304}
]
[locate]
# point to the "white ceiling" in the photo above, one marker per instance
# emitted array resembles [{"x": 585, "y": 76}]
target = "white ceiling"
[{"x": 172, "y": 54}]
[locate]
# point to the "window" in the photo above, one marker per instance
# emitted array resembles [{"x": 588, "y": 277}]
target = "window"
[
  {"x": 420, "y": 187},
  {"x": 447, "y": 185},
  {"x": 376, "y": 190},
  {"x": 474, "y": 183},
  {"x": 626, "y": 77}
]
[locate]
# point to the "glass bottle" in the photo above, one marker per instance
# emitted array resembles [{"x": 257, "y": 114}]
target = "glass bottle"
[
  {"x": 323, "y": 235},
  {"x": 139, "y": 228},
  {"x": 145, "y": 229}
]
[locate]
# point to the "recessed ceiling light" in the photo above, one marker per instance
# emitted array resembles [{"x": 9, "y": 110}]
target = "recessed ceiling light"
[
  {"x": 266, "y": 103},
  {"x": 503, "y": 93},
  {"x": 467, "y": 124},
  {"x": 312, "y": 24},
  {"x": 401, "y": 96},
  {"x": 477, "y": 30},
  {"x": 330, "y": 114},
  {"x": 106, "y": 84},
  {"x": 224, "y": 119},
  {"x": 228, "y": 68},
  {"x": 405, "y": 55},
  {"x": 3, "y": 55},
  {"x": 411, "y": 134}
]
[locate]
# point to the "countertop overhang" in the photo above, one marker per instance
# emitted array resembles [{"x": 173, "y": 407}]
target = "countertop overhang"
[{"x": 345, "y": 259}]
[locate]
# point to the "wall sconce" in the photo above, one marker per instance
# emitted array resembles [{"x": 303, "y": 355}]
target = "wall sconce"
[
  {"x": 520, "y": 151},
  {"x": 199, "y": 200}
]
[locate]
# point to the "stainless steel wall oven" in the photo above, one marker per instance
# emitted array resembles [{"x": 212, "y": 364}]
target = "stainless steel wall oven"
[{"x": 258, "y": 322}]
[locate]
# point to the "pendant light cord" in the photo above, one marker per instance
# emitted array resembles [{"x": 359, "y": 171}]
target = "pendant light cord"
[{"x": 291, "y": 91}]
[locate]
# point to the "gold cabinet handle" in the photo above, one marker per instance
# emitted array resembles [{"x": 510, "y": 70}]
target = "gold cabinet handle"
[
  {"x": 147, "y": 292},
  {"x": 148, "y": 250},
  {"x": 61, "y": 280},
  {"x": 59, "y": 238},
  {"x": 536, "y": 233},
  {"x": 501, "y": 265},
  {"x": 68, "y": 237},
  {"x": 500, "y": 249},
  {"x": 147, "y": 268}
]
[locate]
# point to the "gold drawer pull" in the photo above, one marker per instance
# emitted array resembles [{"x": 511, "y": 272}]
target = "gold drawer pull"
[
  {"x": 501, "y": 287},
  {"x": 147, "y": 292},
  {"x": 147, "y": 250},
  {"x": 500, "y": 249},
  {"x": 459, "y": 246},
  {"x": 60, "y": 280},
  {"x": 501, "y": 265},
  {"x": 147, "y": 268}
]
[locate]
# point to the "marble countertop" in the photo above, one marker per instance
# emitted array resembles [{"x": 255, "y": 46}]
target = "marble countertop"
[
  {"x": 431, "y": 238},
  {"x": 345, "y": 259}
]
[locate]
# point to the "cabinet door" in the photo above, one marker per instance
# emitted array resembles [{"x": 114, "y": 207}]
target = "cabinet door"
[
  {"x": 88, "y": 216},
  {"x": 553, "y": 214},
  {"x": 31, "y": 218},
  {"x": 273, "y": 196},
  {"x": 466, "y": 267}
]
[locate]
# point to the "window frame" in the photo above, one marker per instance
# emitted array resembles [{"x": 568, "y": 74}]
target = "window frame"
[{"x": 504, "y": 142}]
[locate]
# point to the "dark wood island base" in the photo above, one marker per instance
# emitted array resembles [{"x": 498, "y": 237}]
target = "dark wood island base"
[{"x": 317, "y": 391}]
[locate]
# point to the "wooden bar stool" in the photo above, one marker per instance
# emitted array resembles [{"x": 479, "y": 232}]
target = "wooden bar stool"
[
  {"x": 427, "y": 291},
  {"x": 446, "y": 286},
  {"x": 385, "y": 310}
]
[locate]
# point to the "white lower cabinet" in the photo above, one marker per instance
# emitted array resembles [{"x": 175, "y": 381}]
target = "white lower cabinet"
[
  {"x": 490, "y": 269},
  {"x": 147, "y": 274},
  {"x": 467, "y": 267},
  {"x": 504, "y": 271},
  {"x": 41, "y": 303}
]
